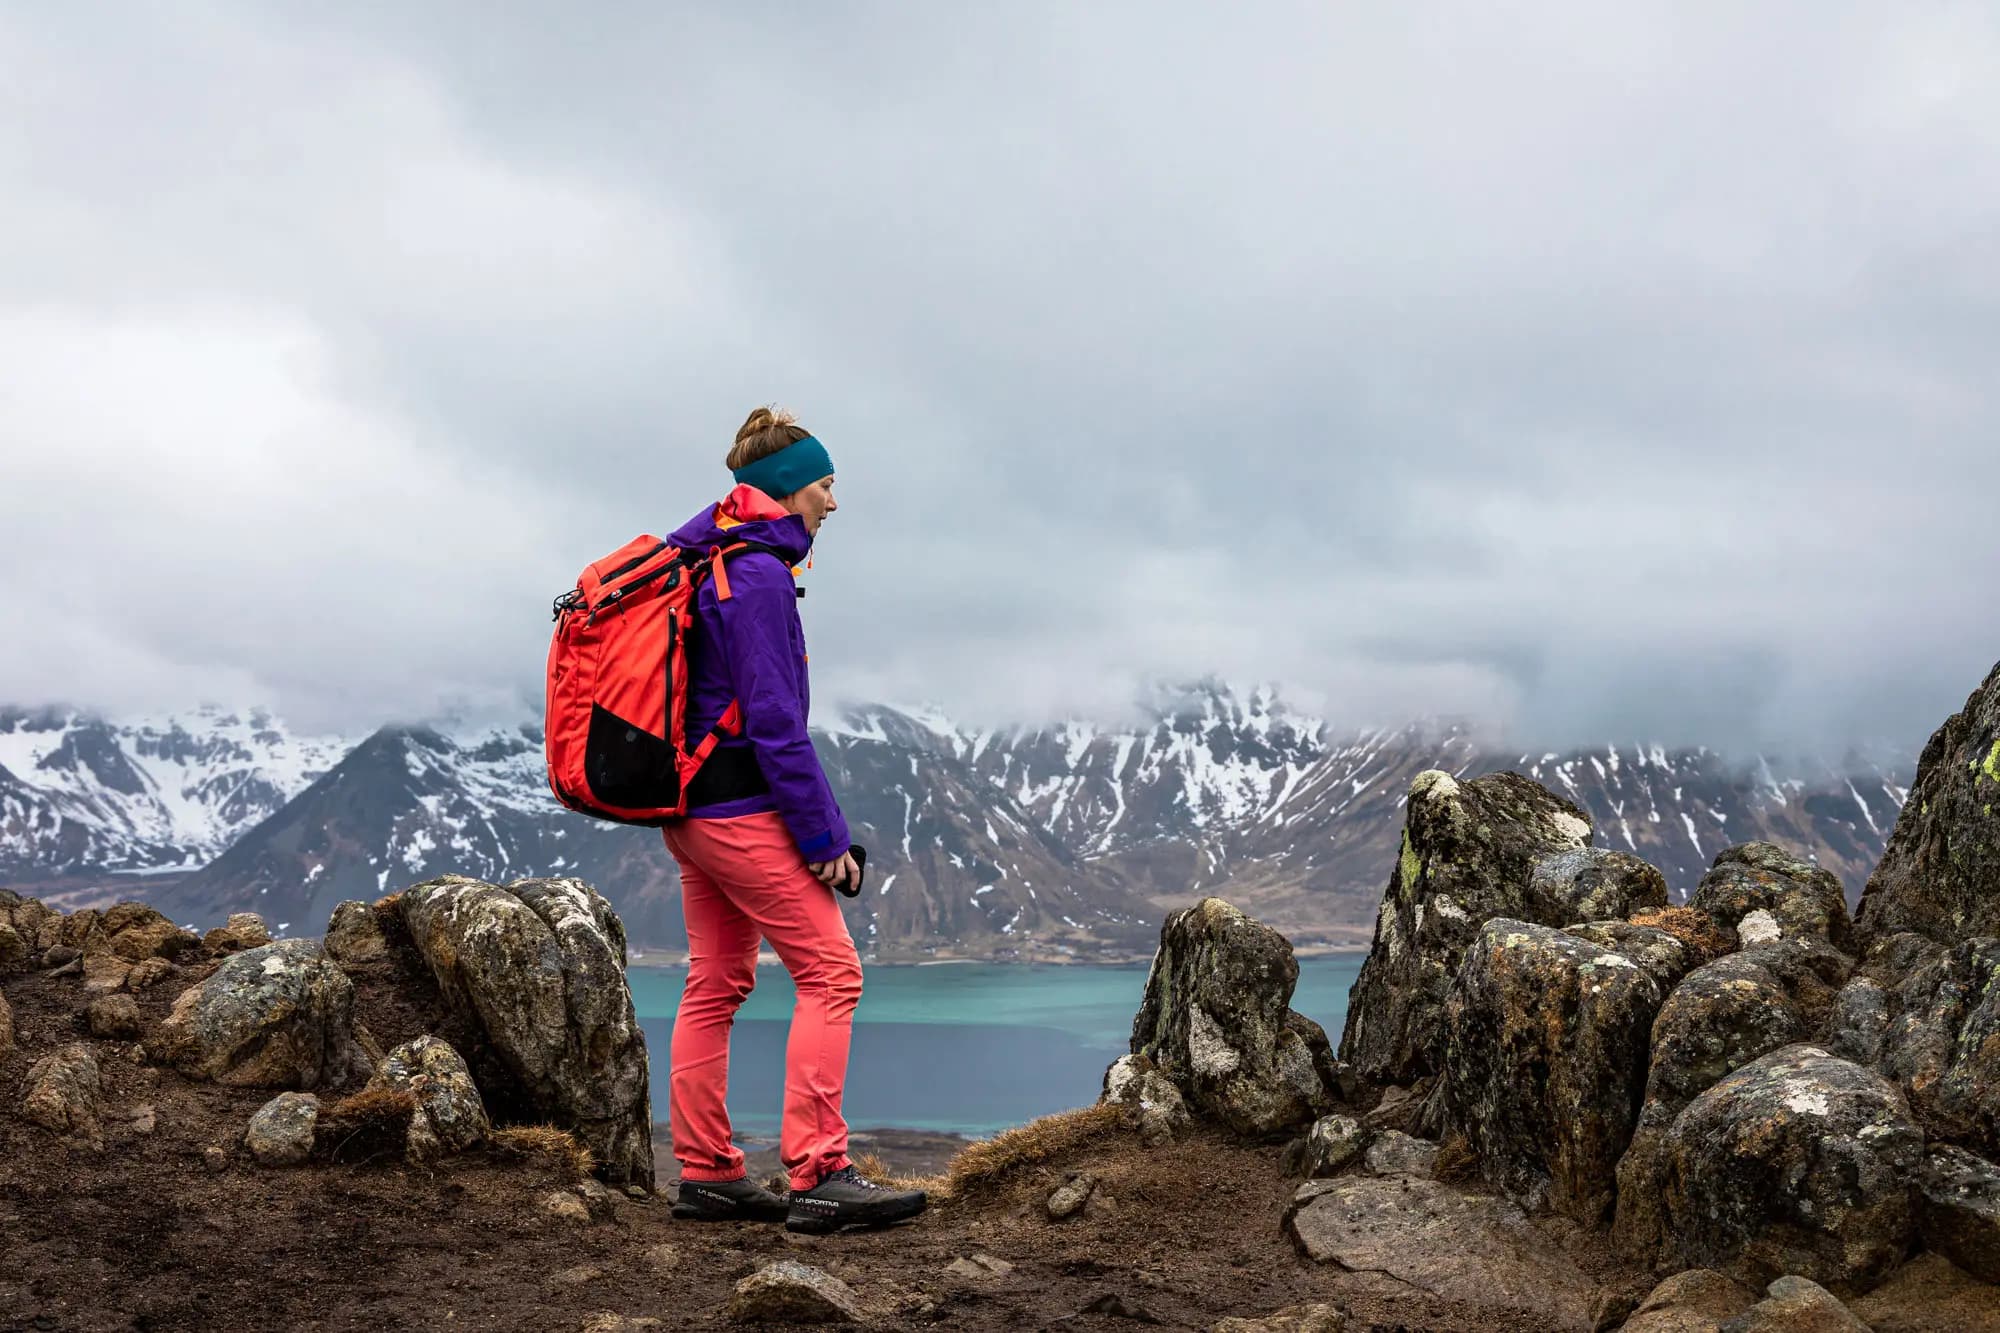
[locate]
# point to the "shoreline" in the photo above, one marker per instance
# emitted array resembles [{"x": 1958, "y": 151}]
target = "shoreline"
[{"x": 665, "y": 961}]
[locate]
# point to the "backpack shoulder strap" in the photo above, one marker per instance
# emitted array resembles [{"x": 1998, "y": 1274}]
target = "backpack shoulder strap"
[{"x": 716, "y": 558}]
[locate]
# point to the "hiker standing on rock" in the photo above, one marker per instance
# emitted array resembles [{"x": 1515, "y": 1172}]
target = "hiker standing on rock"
[{"x": 761, "y": 850}]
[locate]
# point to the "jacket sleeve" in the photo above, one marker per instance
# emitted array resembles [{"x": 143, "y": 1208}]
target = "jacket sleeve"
[{"x": 768, "y": 674}]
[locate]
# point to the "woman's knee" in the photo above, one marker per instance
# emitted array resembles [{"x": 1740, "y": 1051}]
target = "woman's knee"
[
  {"x": 724, "y": 981},
  {"x": 835, "y": 970}
]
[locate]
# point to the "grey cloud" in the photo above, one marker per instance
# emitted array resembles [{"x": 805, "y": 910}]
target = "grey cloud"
[{"x": 1609, "y": 370}]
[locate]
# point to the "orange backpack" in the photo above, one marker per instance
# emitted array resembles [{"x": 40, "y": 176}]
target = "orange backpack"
[{"x": 615, "y": 730}]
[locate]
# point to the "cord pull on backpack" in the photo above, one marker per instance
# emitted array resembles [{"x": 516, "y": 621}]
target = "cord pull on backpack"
[{"x": 615, "y": 729}]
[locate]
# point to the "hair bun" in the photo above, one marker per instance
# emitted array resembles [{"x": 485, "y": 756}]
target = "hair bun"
[{"x": 763, "y": 419}]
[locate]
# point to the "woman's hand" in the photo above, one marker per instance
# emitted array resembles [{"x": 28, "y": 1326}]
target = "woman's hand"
[{"x": 835, "y": 874}]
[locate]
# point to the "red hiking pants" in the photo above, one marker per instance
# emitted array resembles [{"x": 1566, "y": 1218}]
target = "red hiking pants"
[{"x": 743, "y": 879}]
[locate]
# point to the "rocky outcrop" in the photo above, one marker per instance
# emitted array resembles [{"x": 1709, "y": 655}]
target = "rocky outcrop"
[
  {"x": 1940, "y": 873},
  {"x": 1215, "y": 1020},
  {"x": 1545, "y": 1056},
  {"x": 1961, "y": 1209},
  {"x": 1944, "y": 1047},
  {"x": 279, "y": 1016},
  {"x": 1469, "y": 854},
  {"x": 1764, "y": 893},
  {"x": 353, "y": 935},
  {"x": 539, "y": 967},
  {"x": 1720, "y": 1018},
  {"x": 1800, "y": 1163},
  {"x": 1464, "y": 1247},
  {"x": 64, "y": 1093},
  {"x": 451, "y": 1116},
  {"x": 1157, "y": 1108},
  {"x": 281, "y": 1133}
]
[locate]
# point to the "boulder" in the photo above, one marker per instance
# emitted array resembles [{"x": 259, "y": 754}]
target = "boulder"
[
  {"x": 1596, "y": 883},
  {"x": 1695, "y": 1301},
  {"x": 1796, "y": 1305},
  {"x": 1890, "y": 959},
  {"x": 64, "y": 1093},
  {"x": 1721, "y": 1017},
  {"x": 1944, "y": 1047},
  {"x": 353, "y": 936},
  {"x": 1940, "y": 872},
  {"x": 1394, "y": 1153},
  {"x": 1334, "y": 1143},
  {"x": 281, "y": 1132},
  {"x": 1476, "y": 1249},
  {"x": 1660, "y": 954},
  {"x": 1315, "y": 1318},
  {"x": 248, "y": 928},
  {"x": 148, "y": 972},
  {"x": 451, "y": 1116},
  {"x": 1927, "y": 1295},
  {"x": 133, "y": 931},
  {"x": 1545, "y": 1056},
  {"x": 278, "y": 1016},
  {"x": 1214, "y": 1020},
  {"x": 1799, "y": 1163},
  {"x": 1468, "y": 855},
  {"x": 115, "y": 1017},
  {"x": 539, "y": 967},
  {"x": 1961, "y": 1209},
  {"x": 1786, "y": 896},
  {"x": 788, "y": 1292},
  {"x": 38, "y": 925},
  {"x": 1156, "y": 1106},
  {"x": 1860, "y": 1022},
  {"x": 14, "y": 951}
]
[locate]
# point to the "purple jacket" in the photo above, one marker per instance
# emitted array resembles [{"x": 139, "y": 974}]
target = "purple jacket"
[{"x": 753, "y": 648}]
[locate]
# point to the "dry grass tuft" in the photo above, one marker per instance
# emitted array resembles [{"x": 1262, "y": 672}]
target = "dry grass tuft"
[
  {"x": 990, "y": 1161},
  {"x": 1696, "y": 929},
  {"x": 557, "y": 1148},
  {"x": 872, "y": 1166},
  {"x": 371, "y": 1125}
]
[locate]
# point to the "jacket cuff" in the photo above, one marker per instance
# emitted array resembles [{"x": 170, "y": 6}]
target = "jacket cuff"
[{"x": 819, "y": 847}]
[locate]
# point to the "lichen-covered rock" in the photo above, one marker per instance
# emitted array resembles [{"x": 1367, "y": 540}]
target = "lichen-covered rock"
[
  {"x": 1215, "y": 1021},
  {"x": 1157, "y": 1108},
  {"x": 133, "y": 931},
  {"x": 1890, "y": 959},
  {"x": 451, "y": 1116},
  {"x": 1944, "y": 1047},
  {"x": 248, "y": 928},
  {"x": 113, "y": 1016},
  {"x": 281, "y": 1132},
  {"x": 1799, "y": 1162},
  {"x": 1068, "y": 1198},
  {"x": 1795, "y": 1305},
  {"x": 1334, "y": 1143},
  {"x": 1860, "y": 1022},
  {"x": 64, "y": 1093},
  {"x": 1545, "y": 1054},
  {"x": 1940, "y": 873},
  {"x": 278, "y": 1016},
  {"x": 1781, "y": 892},
  {"x": 353, "y": 936},
  {"x": 1475, "y": 1249},
  {"x": 789, "y": 1292},
  {"x": 1596, "y": 883},
  {"x": 1469, "y": 854},
  {"x": 1394, "y": 1153},
  {"x": 1695, "y": 1301},
  {"x": 1961, "y": 1209},
  {"x": 1660, "y": 954},
  {"x": 539, "y": 966},
  {"x": 1721, "y": 1017}
]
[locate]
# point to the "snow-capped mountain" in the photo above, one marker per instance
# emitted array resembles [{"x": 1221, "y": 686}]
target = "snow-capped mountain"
[
  {"x": 1065, "y": 840},
  {"x": 80, "y": 793}
]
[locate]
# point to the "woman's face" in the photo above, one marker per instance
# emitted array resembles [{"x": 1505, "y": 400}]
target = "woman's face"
[{"x": 813, "y": 504}]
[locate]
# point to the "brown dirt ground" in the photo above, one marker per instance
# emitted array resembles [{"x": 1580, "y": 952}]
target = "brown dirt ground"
[{"x": 145, "y": 1235}]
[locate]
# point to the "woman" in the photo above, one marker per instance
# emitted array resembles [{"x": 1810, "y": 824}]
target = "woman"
[{"x": 760, "y": 852}]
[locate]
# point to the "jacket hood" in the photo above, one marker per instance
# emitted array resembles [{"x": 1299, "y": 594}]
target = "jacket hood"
[{"x": 746, "y": 514}]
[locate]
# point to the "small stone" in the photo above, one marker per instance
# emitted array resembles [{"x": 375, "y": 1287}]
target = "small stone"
[
  {"x": 1332, "y": 1144},
  {"x": 663, "y": 1258},
  {"x": 103, "y": 972},
  {"x": 281, "y": 1132},
  {"x": 978, "y": 1267},
  {"x": 56, "y": 955},
  {"x": 64, "y": 1094},
  {"x": 1796, "y": 1305},
  {"x": 608, "y": 1322},
  {"x": 215, "y": 1159},
  {"x": 791, "y": 1292},
  {"x": 148, "y": 972},
  {"x": 1316, "y": 1318},
  {"x": 1397, "y": 1154},
  {"x": 637, "y": 1193},
  {"x": 563, "y": 1206},
  {"x": 1115, "y": 1306},
  {"x": 576, "y": 1277},
  {"x": 114, "y": 1017},
  {"x": 1070, "y": 1198},
  {"x": 144, "y": 1119},
  {"x": 248, "y": 928}
]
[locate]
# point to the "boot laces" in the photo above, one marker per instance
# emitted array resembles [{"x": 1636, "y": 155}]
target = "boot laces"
[{"x": 854, "y": 1177}]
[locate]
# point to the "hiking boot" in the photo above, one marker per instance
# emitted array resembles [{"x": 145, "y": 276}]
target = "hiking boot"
[
  {"x": 739, "y": 1200},
  {"x": 844, "y": 1199}
]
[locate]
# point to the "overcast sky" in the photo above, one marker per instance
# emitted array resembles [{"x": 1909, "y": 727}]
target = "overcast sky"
[{"x": 1594, "y": 370}]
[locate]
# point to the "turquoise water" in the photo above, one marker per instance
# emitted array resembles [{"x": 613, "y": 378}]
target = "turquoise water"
[{"x": 967, "y": 1047}]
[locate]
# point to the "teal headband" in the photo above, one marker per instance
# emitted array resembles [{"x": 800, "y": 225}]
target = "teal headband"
[{"x": 793, "y": 468}]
